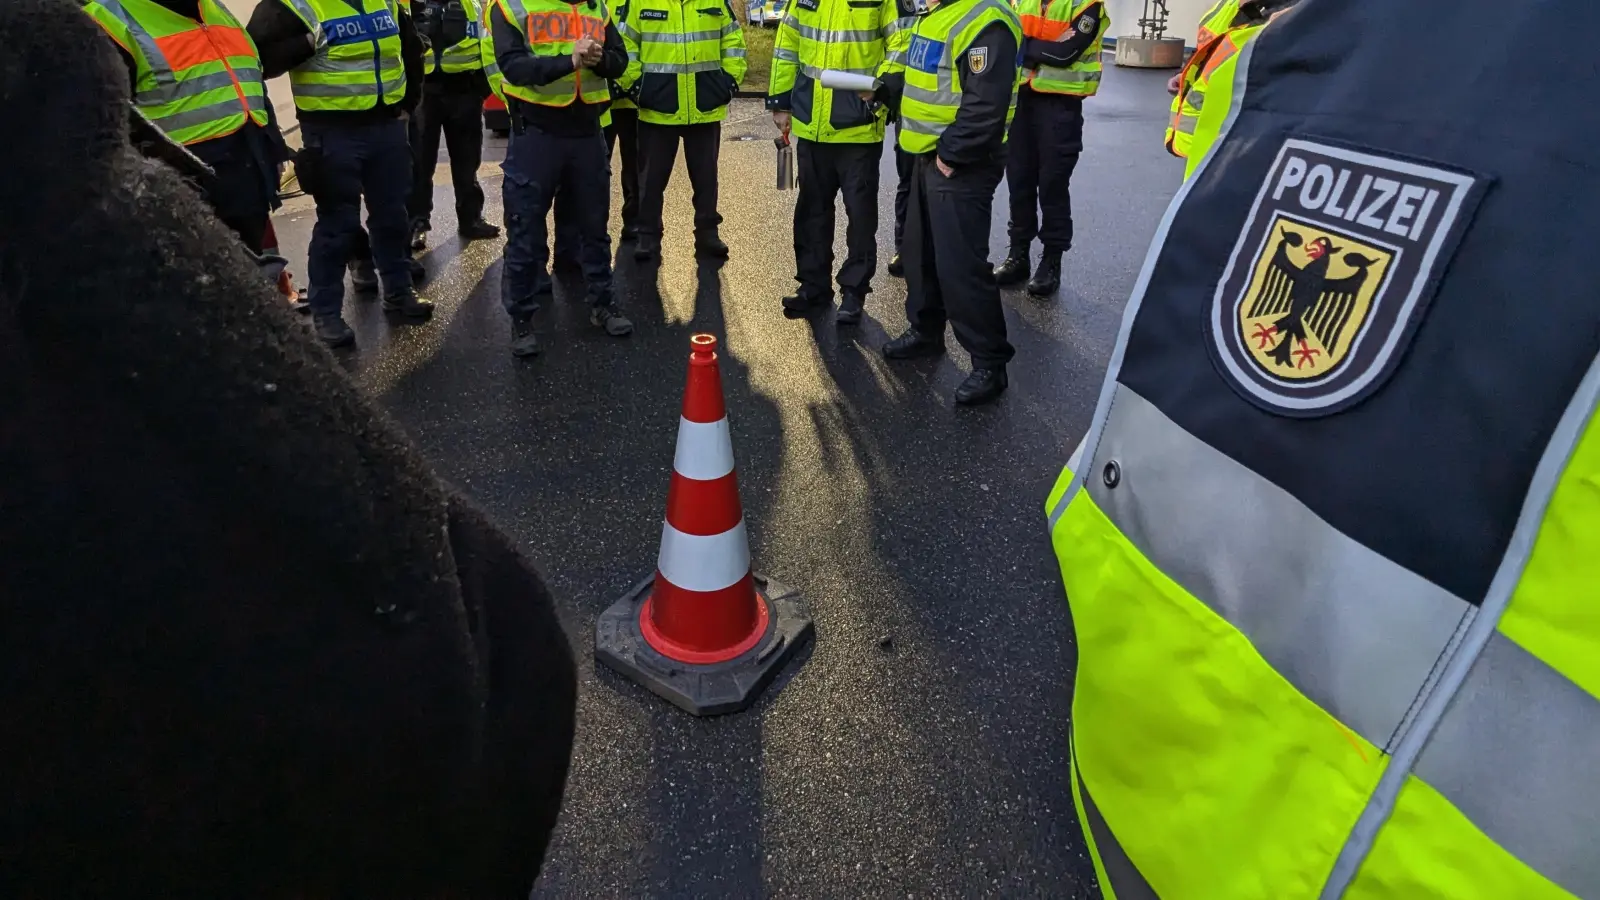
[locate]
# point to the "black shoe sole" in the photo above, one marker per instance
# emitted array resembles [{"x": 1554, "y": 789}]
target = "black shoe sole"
[
  {"x": 335, "y": 345},
  {"x": 1043, "y": 293}
]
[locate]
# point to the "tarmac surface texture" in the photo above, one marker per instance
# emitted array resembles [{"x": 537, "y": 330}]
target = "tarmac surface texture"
[{"x": 918, "y": 748}]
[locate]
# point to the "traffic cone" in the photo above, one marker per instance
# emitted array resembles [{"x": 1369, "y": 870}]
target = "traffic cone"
[{"x": 706, "y": 631}]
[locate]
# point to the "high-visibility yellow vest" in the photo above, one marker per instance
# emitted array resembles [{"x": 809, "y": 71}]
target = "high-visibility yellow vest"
[
  {"x": 837, "y": 35},
  {"x": 1055, "y": 22},
  {"x": 932, "y": 68},
  {"x": 195, "y": 80},
  {"x": 1191, "y": 96},
  {"x": 491, "y": 67},
  {"x": 1336, "y": 639},
  {"x": 465, "y": 55},
  {"x": 551, "y": 28},
  {"x": 1219, "y": 84},
  {"x": 361, "y": 64},
  {"x": 685, "y": 57},
  {"x": 619, "y": 100}
]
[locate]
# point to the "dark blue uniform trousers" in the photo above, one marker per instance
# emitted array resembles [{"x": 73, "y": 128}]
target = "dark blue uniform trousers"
[
  {"x": 349, "y": 162},
  {"x": 538, "y": 165}
]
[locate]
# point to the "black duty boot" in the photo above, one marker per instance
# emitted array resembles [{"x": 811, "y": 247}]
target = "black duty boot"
[
  {"x": 648, "y": 248},
  {"x": 523, "y": 341},
  {"x": 802, "y": 302},
  {"x": 332, "y": 330},
  {"x": 982, "y": 386},
  {"x": 419, "y": 272},
  {"x": 408, "y": 304},
  {"x": 1047, "y": 278},
  {"x": 850, "y": 305},
  {"x": 1014, "y": 270},
  {"x": 363, "y": 276},
  {"x": 708, "y": 243},
  {"x": 419, "y": 234},
  {"x": 608, "y": 317},
  {"x": 479, "y": 230},
  {"x": 897, "y": 267},
  {"x": 913, "y": 344},
  {"x": 629, "y": 231}
]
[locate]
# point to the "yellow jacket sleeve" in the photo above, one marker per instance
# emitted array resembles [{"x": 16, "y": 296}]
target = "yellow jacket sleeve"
[
  {"x": 785, "y": 60},
  {"x": 629, "y": 29},
  {"x": 733, "y": 52}
]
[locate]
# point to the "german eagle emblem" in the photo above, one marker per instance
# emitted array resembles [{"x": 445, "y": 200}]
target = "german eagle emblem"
[{"x": 1299, "y": 312}]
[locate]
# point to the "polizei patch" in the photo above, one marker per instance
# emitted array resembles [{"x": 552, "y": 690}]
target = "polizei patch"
[{"x": 1336, "y": 264}]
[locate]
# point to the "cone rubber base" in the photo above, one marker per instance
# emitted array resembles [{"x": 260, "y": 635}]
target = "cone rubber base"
[{"x": 703, "y": 690}]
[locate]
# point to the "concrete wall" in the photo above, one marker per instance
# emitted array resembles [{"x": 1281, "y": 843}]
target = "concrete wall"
[{"x": 1183, "y": 17}]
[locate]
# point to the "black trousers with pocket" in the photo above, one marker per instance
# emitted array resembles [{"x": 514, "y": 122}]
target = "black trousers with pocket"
[
  {"x": 658, "y": 153},
  {"x": 1042, "y": 150},
  {"x": 457, "y": 115},
  {"x": 948, "y": 275},
  {"x": 825, "y": 171}
]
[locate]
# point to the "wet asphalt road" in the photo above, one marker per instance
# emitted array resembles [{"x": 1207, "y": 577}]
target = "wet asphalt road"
[{"x": 933, "y": 767}]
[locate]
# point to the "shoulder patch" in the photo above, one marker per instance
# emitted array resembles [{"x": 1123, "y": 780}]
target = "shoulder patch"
[
  {"x": 654, "y": 15},
  {"x": 978, "y": 59},
  {"x": 1087, "y": 24},
  {"x": 1333, "y": 271}
]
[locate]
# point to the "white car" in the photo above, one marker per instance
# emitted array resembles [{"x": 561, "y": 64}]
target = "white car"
[{"x": 765, "y": 12}]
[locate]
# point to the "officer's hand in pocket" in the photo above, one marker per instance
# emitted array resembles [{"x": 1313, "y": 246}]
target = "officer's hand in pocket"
[
  {"x": 944, "y": 170},
  {"x": 308, "y": 168}
]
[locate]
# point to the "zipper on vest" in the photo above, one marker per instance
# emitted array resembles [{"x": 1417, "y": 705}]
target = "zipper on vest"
[{"x": 238, "y": 88}]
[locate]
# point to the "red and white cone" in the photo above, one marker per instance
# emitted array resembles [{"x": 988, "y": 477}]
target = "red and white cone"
[{"x": 705, "y": 632}]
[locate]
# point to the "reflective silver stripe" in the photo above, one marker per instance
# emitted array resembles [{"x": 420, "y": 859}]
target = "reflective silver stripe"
[
  {"x": 1355, "y": 632},
  {"x": 153, "y": 57},
  {"x": 815, "y": 72},
  {"x": 823, "y": 35},
  {"x": 1102, "y": 409},
  {"x": 323, "y": 64},
  {"x": 304, "y": 11},
  {"x": 206, "y": 114},
  {"x": 681, "y": 68},
  {"x": 917, "y": 126},
  {"x": 1551, "y": 704},
  {"x": 324, "y": 89},
  {"x": 1126, "y": 882},
  {"x": 899, "y": 25},
  {"x": 1186, "y": 124},
  {"x": 1195, "y": 100},
  {"x": 627, "y": 30},
  {"x": 729, "y": 28},
  {"x": 1069, "y": 76},
  {"x": 785, "y": 54},
  {"x": 947, "y": 67},
  {"x": 732, "y": 52},
  {"x": 933, "y": 98},
  {"x": 687, "y": 37},
  {"x": 1516, "y": 754}
]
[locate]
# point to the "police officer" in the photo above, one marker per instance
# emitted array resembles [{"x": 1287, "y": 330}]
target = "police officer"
[
  {"x": 620, "y": 123},
  {"x": 452, "y": 103},
  {"x": 956, "y": 93},
  {"x": 1211, "y": 50},
  {"x": 355, "y": 67},
  {"x": 1323, "y": 655},
  {"x": 685, "y": 59},
  {"x": 196, "y": 75},
  {"x": 555, "y": 58},
  {"x": 1061, "y": 66},
  {"x": 839, "y": 139}
]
